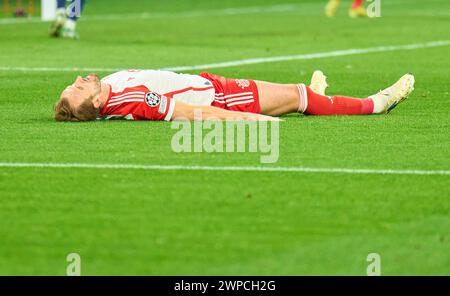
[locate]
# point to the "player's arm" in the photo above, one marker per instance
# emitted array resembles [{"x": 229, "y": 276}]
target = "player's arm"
[{"x": 184, "y": 111}]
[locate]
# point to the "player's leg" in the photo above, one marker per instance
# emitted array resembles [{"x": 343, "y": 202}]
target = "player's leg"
[
  {"x": 74, "y": 10},
  {"x": 357, "y": 3},
  {"x": 357, "y": 9},
  {"x": 332, "y": 7},
  {"x": 57, "y": 25},
  {"x": 278, "y": 99},
  {"x": 383, "y": 101},
  {"x": 313, "y": 103}
]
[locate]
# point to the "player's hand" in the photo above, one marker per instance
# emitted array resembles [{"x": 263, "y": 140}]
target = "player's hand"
[{"x": 259, "y": 117}]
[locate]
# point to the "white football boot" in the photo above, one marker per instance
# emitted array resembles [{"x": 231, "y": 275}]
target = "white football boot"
[
  {"x": 387, "y": 99},
  {"x": 69, "y": 30},
  {"x": 318, "y": 82},
  {"x": 57, "y": 25}
]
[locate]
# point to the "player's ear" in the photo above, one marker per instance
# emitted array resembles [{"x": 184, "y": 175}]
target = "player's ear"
[{"x": 96, "y": 101}]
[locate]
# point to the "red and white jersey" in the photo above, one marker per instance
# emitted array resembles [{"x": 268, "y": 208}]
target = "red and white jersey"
[{"x": 152, "y": 94}]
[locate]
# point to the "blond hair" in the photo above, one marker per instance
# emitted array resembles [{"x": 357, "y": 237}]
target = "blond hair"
[{"x": 85, "y": 112}]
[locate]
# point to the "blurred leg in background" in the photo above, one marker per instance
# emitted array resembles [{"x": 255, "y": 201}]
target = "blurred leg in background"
[
  {"x": 332, "y": 7},
  {"x": 356, "y": 10},
  {"x": 66, "y": 18},
  {"x": 5, "y": 7}
]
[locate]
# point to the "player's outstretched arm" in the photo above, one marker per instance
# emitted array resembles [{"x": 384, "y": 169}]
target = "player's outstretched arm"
[{"x": 189, "y": 112}]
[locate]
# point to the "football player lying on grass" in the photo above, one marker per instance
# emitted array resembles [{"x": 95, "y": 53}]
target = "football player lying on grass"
[{"x": 164, "y": 95}]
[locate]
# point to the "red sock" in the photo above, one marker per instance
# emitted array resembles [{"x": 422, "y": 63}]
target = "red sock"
[
  {"x": 315, "y": 104},
  {"x": 357, "y": 3}
]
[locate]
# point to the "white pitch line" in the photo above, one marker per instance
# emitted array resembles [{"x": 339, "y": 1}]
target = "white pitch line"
[
  {"x": 223, "y": 168},
  {"x": 311, "y": 56}
]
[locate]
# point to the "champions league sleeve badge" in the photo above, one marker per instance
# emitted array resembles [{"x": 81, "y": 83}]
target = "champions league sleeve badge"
[{"x": 152, "y": 99}]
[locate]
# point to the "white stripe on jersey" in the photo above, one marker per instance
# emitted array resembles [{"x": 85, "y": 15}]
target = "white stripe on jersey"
[
  {"x": 238, "y": 95},
  {"x": 126, "y": 101},
  {"x": 125, "y": 97},
  {"x": 238, "y": 99},
  {"x": 137, "y": 93},
  {"x": 240, "y": 103},
  {"x": 170, "y": 111},
  {"x": 235, "y": 99}
]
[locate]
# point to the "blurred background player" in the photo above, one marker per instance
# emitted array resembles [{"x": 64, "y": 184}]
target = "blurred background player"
[
  {"x": 66, "y": 18},
  {"x": 19, "y": 9},
  {"x": 356, "y": 10}
]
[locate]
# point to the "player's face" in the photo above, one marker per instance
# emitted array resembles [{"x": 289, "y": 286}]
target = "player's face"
[{"x": 82, "y": 89}]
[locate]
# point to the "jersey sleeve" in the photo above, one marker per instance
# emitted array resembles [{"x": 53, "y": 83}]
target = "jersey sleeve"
[{"x": 154, "y": 107}]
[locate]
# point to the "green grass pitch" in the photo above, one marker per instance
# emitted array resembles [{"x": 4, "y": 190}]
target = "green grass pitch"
[{"x": 228, "y": 223}]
